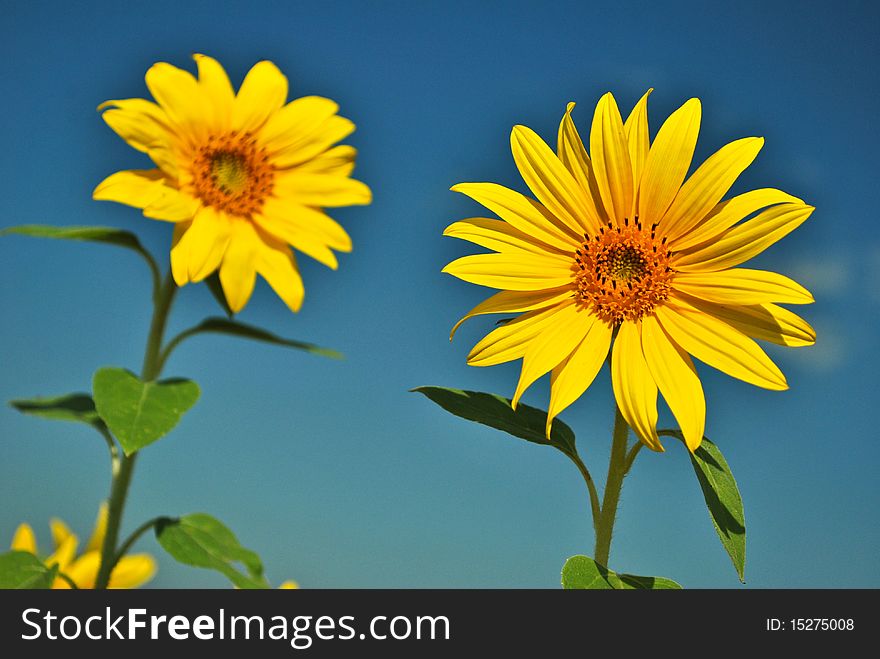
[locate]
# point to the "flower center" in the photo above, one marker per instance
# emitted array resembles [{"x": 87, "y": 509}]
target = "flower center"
[
  {"x": 232, "y": 173},
  {"x": 623, "y": 272}
]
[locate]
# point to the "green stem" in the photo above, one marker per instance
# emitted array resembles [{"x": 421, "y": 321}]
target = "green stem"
[
  {"x": 70, "y": 582},
  {"x": 631, "y": 457},
  {"x": 591, "y": 486},
  {"x": 152, "y": 366},
  {"x": 135, "y": 535},
  {"x": 613, "y": 485}
]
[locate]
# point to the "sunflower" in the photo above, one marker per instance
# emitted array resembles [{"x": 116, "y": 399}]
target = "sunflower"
[
  {"x": 131, "y": 571},
  {"x": 242, "y": 176},
  {"x": 619, "y": 247}
]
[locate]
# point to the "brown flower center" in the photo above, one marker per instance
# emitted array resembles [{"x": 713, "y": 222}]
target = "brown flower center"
[
  {"x": 623, "y": 272},
  {"x": 232, "y": 173}
]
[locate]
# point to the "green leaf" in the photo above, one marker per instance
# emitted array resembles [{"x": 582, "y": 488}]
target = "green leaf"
[
  {"x": 72, "y": 407},
  {"x": 216, "y": 288},
  {"x": 722, "y": 498},
  {"x": 202, "y": 541},
  {"x": 107, "y": 235},
  {"x": 494, "y": 411},
  {"x": 22, "y": 570},
  {"x": 137, "y": 412},
  {"x": 229, "y": 327},
  {"x": 582, "y": 572}
]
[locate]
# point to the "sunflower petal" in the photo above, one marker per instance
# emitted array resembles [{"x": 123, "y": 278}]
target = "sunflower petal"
[
  {"x": 549, "y": 180},
  {"x": 496, "y": 235},
  {"x": 635, "y": 128},
  {"x": 238, "y": 271},
  {"x": 576, "y": 373},
  {"x": 744, "y": 241},
  {"x": 217, "y": 90},
  {"x": 277, "y": 265},
  {"x": 172, "y": 206},
  {"x": 668, "y": 161},
  {"x": 323, "y": 190},
  {"x": 514, "y": 272},
  {"x": 298, "y": 121},
  {"x": 24, "y": 539},
  {"x": 302, "y": 149},
  {"x": 727, "y": 213},
  {"x": 569, "y": 326},
  {"x": 132, "y": 571},
  {"x": 742, "y": 286},
  {"x": 133, "y": 187},
  {"x": 705, "y": 188},
  {"x": 634, "y": 388},
  {"x": 97, "y": 539},
  {"x": 141, "y": 123},
  {"x": 289, "y": 219},
  {"x": 338, "y": 161},
  {"x": 60, "y": 531},
  {"x": 719, "y": 345},
  {"x": 292, "y": 228},
  {"x": 677, "y": 379},
  {"x": 64, "y": 552},
  {"x": 525, "y": 214},
  {"x": 179, "y": 95},
  {"x": 262, "y": 93},
  {"x": 611, "y": 163},
  {"x": 509, "y": 342},
  {"x": 516, "y": 302},
  {"x": 767, "y": 322},
  {"x": 198, "y": 252},
  {"x": 573, "y": 155}
]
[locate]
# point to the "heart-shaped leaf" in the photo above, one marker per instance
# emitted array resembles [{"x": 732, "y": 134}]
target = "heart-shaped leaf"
[
  {"x": 23, "y": 570},
  {"x": 525, "y": 422},
  {"x": 71, "y": 407},
  {"x": 202, "y": 541},
  {"x": 582, "y": 572},
  {"x": 137, "y": 412}
]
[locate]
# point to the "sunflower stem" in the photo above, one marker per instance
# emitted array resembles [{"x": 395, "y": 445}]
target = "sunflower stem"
[
  {"x": 617, "y": 468},
  {"x": 152, "y": 366}
]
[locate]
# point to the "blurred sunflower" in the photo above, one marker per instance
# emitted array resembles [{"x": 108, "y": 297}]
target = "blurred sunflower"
[
  {"x": 242, "y": 175},
  {"x": 618, "y": 246},
  {"x": 131, "y": 571}
]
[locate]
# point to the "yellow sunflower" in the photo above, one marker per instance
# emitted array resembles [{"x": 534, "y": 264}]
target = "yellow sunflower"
[
  {"x": 618, "y": 245},
  {"x": 131, "y": 571},
  {"x": 242, "y": 176}
]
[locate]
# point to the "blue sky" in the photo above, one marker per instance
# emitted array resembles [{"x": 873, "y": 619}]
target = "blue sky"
[{"x": 332, "y": 471}]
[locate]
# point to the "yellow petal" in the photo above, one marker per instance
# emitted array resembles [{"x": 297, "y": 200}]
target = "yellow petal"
[
  {"x": 611, "y": 163},
  {"x": 742, "y": 286},
  {"x": 705, "y": 188},
  {"x": 217, "y": 91},
  {"x": 509, "y": 342},
  {"x": 309, "y": 221},
  {"x": 514, "y": 272},
  {"x": 549, "y": 180},
  {"x": 293, "y": 227},
  {"x": 83, "y": 571},
  {"x": 299, "y": 121},
  {"x": 668, "y": 161},
  {"x": 569, "y": 326},
  {"x": 635, "y": 128},
  {"x": 767, "y": 322},
  {"x": 516, "y": 302},
  {"x": 132, "y": 571},
  {"x": 133, "y": 187},
  {"x": 743, "y": 241},
  {"x": 200, "y": 249},
  {"x": 497, "y": 235},
  {"x": 323, "y": 190},
  {"x": 238, "y": 271},
  {"x": 525, "y": 214},
  {"x": 64, "y": 552},
  {"x": 574, "y": 375},
  {"x": 719, "y": 345},
  {"x": 299, "y": 149},
  {"x": 634, "y": 388},
  {"x": 277, "y": 265},
  {"x": 97, "y": 539},
  {"x": 262, "y": 93},
  {"x": 172, "y": 206},
  {"x": 24, "y": 539},
  {"x": 166, "y": 158},
  {"x": 141, "y": 123},
  {"x": 573, "y": 155},
  {"x": 288, "y": 585},
  {"x": 677, "y": 379},
  {"x": 727, "y": 213},
  {"x": 179, "y": 95},
  {"x": 338, "y": 161},
  {"x": 60, "y": 531}
]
